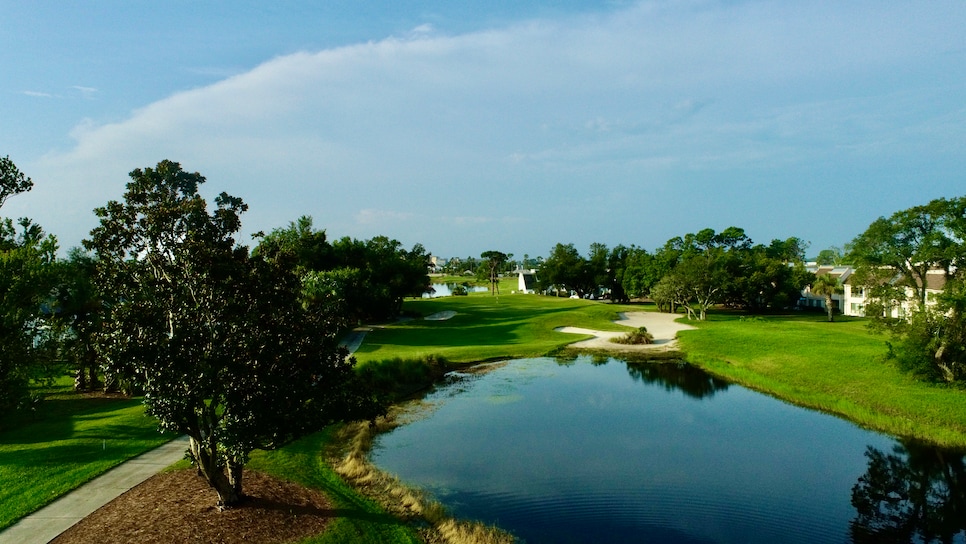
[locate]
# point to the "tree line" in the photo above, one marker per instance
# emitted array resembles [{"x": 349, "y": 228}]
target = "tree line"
[{"x": 693, "y": 272}]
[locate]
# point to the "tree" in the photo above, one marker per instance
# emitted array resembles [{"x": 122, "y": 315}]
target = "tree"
[
  {"x": 12, "y": 180},
  {"x": 78, "y": 316},
  {"x": 832, "y": 256},
  {"x": 827, "y": 286},
  {"x": 616, "y": 269},
  {"x": 219, "y": 341},
  {"x": 26, "y": 279},
  {"x": 698, "y": 283},
  {"x": 896, "y": 258},
  {"x": 908, "y": 244},
  {"x": 563, "y": 270},
  {"x": 493, "y": 262},
  {"x": 366, "y": 279}
]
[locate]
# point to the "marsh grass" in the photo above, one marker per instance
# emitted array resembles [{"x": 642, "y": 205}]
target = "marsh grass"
[{"x": 352, "y": 463}]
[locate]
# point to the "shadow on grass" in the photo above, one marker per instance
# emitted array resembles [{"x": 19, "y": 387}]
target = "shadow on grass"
[{"x": 59, "y": 418}]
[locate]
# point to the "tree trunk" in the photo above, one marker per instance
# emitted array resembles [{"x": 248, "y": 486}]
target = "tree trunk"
[
  {"x": 227, "y": 486},
  {"x": 828, "y": 306}
]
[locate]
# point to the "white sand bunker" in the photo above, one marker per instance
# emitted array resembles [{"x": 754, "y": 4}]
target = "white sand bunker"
[
  {"x": 440, "y": 316},
  {"x": 664, "y": 327}
]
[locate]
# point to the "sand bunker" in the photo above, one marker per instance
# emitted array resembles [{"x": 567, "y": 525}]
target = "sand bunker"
[
  {"x": 662, "y": 326},
  {"x": 440, "y": 316}
]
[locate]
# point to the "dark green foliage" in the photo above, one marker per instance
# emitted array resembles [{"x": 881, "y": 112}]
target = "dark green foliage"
[
  {"x": 26, "y": 279},
  {"x": 916, "y": 493},
  {"x": 493, "y": 264},
  {"x": 707, "y": 268},
  {"x": 12, "y": 180},
  {"x": 896, "y": 258},
  {"x": 932, "y": 344},
  {"x": 220, "y": 342},
  {"x": 398, "y": 378},
  {"x": 564, "y": 270},
  {"x": 636, "y": 337},
  {"x": 357, "y": 280},
  {"x": 78, "y": 316}
]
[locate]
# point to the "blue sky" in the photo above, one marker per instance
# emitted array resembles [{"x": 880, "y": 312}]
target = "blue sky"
[{"x": 510, "y": 127}]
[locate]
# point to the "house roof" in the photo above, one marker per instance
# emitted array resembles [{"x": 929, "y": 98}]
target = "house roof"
[{"x": 838, "y": 272}]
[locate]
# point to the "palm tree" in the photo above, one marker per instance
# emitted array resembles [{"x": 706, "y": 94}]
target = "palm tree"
[{"x": 825, "y": 285}]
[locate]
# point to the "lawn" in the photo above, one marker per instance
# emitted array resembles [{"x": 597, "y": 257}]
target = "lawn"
[
  {"x": 67, "y": 441},
  {"x": 836, "y": 367},
  {"x": 488, "y": 327}
]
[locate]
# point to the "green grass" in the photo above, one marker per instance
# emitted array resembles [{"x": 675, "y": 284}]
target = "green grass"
[
  {"x": 357, "y": 519},
  {"x": 71, "y": 439},
  {"x": 488, "y": 327},
  {"x": 66, "y": 442},
  {"x": 834, "y": 367}
]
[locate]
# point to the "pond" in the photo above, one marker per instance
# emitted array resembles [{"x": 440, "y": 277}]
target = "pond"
[
  {"x": 587, "y": 450},
  {"x": 446, "y": 289}
]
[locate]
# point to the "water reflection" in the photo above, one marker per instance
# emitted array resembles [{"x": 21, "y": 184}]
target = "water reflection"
[
  {"x": 917, "y": 493},
  {"x": 590, "y": 449},
  {"x": 677, "y": 376},
  {"x": 449, "y": 289}
]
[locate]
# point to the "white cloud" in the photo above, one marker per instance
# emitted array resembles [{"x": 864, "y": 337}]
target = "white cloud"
[
  {"x": 521, "y": 121},
  {"x": 86, "y": 92}
]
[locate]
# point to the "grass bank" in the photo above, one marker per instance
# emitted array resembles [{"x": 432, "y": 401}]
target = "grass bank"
[
  {"x": 358, "y": 519},
  {"x": 68, "y": 440},
  {"x": 487, "y": 327},
  {"x": 835, "y": 367}
]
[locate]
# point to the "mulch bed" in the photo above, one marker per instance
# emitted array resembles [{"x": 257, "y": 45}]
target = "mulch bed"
[{"x": 180, "y": 507}]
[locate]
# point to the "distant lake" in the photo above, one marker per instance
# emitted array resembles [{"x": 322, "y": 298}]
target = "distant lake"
[
  {"x": 581, "y": 451},
  {"x": 446, "y": 289}
]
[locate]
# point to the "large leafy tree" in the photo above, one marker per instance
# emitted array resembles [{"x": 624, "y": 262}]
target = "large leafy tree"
[
  {"x": 908, "y": 245},
  {"x": 357, "y": 279},
  {"x": 26, "y": 256},
  {"x": 565, "y": 269},
  {"x": 219, "y": 341},
  {"x": 896, "y": 256},
  {"x": 78, "y": 316}
]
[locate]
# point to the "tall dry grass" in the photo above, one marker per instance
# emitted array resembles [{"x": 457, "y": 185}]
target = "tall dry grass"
[{"x": 352, "y": 463}]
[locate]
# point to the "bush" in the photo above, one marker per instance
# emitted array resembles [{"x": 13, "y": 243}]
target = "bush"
[{"x": 638, "y": 337}]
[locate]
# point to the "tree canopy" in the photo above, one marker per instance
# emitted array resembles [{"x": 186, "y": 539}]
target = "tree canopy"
[
  {"x": 895, "y": 258},
  {"x": 493, "y": 262},
  {"x": 26, "y": 280},
  {"x": 218, "y": 340}
]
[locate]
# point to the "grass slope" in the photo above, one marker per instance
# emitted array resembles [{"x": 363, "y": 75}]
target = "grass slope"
[
  {"x": 69, "y": 440},
  {"x": 835, "y": 367},
  {"x": 357, "y": 519}
]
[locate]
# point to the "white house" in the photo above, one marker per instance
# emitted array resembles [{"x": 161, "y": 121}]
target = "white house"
[
  {"x": 841, "y": 273},
  {"x": 854, "y": 298},
  {"x": 527, "y": 281}
]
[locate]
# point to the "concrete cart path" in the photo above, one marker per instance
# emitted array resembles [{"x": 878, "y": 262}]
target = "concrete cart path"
[{"x": 45, "y": 524}]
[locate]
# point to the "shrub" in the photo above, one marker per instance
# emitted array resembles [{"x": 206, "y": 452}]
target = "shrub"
[{"x": 638, "y": 337}]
